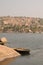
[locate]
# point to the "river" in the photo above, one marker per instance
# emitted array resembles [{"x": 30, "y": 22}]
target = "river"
[{"x": 32, "y": 41}]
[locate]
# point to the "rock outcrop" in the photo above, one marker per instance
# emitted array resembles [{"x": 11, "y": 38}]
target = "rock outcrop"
[{"x": 6, "y": 52}]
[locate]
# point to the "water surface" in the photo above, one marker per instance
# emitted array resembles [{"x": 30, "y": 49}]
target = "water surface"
[{"x": 34, "y": 42}]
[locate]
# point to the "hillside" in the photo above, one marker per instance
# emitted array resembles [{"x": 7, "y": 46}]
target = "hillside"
[{"x": 21, "y": 24}]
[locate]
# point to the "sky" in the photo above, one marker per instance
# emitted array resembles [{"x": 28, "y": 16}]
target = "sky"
[{"x": 30, "y": 8}]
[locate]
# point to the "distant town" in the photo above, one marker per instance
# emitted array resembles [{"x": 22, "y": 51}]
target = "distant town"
[{"x": 21, "y": 24}]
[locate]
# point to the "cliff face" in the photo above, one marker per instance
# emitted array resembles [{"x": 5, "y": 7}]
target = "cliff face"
[{"x": 21, "y": 24}]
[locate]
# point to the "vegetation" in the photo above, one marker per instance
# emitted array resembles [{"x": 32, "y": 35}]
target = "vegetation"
[{"x": 21, "y": 24}]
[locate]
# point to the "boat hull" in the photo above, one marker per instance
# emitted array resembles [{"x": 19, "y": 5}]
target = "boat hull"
[{"x": 23, "y": 51}]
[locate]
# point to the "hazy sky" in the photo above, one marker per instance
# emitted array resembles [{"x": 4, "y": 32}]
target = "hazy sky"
[{"x": 21, "y": 8}]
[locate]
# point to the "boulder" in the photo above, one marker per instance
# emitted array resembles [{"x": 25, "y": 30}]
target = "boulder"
[
  {"x": 6, "y": 52},
  {"x": 3, "y": 40}
]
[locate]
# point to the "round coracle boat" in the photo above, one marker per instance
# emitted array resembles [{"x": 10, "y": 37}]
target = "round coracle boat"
[{"x": 23, "y": 51}]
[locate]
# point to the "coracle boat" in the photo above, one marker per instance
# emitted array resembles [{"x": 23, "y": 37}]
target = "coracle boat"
[{"x": 23, "y": 51}]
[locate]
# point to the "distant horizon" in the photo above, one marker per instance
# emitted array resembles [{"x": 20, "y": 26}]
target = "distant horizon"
[{"x": 20, "y": 16}]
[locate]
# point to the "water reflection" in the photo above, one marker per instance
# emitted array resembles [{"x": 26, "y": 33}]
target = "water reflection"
[{"x": 6, "y": 61}]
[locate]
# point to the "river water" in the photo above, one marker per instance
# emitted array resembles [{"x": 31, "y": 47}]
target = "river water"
[{"x": 32, "y": 41}]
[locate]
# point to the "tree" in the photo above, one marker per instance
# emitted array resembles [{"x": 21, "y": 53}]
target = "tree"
[{"x": 33, "y": 26}]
